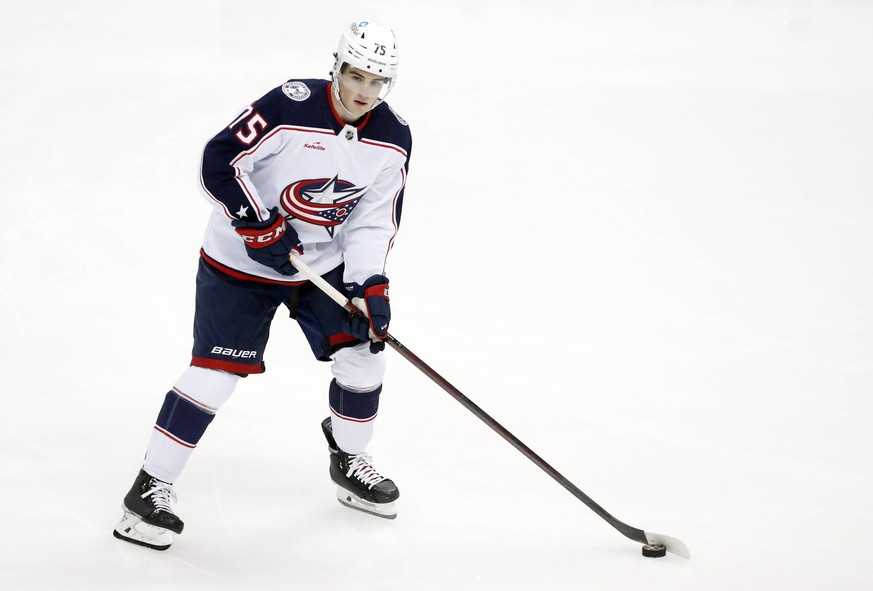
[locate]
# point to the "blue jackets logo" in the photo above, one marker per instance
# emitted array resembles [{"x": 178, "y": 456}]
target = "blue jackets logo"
[{"x": 322, "y": 202}]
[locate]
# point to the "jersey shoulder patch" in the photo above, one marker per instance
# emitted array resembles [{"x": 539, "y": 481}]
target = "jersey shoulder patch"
[
  {"x": 399, "y": 118},
  {"x": 296, "y": 90}
]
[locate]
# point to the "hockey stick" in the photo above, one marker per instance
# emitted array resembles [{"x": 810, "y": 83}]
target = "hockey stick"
[{"x": 671, "y": 544}]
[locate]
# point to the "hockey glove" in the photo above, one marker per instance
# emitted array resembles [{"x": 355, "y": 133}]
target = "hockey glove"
[
  {"x": 372, "y": 296},
  {"x": 270, "y": 242}
]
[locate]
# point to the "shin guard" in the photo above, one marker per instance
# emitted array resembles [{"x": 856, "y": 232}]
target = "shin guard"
[
  {"x": 180, "y": 425},
  {"x": 352, "y": 416}
]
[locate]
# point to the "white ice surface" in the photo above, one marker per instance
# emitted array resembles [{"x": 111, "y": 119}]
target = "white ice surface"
[{"x": 638, "y": 233}]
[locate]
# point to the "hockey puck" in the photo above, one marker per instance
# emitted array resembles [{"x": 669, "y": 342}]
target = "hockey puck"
[{"x": 654, "y": 550}]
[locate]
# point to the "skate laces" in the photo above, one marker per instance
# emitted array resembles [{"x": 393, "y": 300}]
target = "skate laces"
[
  {"x": 361, "y": 469},
  {"x": 161, "y": 493}
]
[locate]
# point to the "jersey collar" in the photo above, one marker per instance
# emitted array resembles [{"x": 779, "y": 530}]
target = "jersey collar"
[{"x": 359, "y": 124}]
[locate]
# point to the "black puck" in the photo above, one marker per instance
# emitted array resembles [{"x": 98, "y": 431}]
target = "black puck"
[{"x": 654, "y": 550}]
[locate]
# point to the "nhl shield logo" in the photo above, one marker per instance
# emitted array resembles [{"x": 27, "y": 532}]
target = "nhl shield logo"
[{"x": 296, "y": 91}]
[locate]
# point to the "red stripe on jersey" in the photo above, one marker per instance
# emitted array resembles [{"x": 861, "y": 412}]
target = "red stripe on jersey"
[
  {"x": 245, "y": 276},
  {"x": 383, "y": 145},
  {"x": 273, "y": 132}
]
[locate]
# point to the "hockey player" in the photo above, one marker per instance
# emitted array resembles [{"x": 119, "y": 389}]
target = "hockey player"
[{"x": 317, "y": 167}]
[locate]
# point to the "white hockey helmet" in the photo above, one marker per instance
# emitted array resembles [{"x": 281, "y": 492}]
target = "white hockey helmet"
[{"x": 370, "y": 47}]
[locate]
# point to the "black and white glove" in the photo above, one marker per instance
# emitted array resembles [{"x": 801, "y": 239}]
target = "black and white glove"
[
  {"x": 372, "y": 296},
  {"x": 270, "y": 242}
]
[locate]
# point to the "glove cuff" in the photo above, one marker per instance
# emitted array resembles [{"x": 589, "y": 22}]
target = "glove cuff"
[{"x": 380, "y": 290}]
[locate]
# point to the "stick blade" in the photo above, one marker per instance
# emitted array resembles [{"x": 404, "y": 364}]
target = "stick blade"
[{"x": 673, "y": 545}]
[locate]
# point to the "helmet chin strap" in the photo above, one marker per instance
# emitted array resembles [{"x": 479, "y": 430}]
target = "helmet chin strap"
[{"x": 336, "y": 93}]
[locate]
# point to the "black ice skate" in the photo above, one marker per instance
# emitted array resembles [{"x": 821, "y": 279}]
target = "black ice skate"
[
  {"x": 359, "y": 485},
  {"x": 148, "y": 518}
]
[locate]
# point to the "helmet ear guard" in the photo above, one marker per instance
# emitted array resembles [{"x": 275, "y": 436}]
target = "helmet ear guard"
[{"x": 370, "y": 47}]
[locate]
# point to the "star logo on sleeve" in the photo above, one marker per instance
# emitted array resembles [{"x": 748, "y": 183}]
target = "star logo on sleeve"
[{"x": 243, "y": 212}]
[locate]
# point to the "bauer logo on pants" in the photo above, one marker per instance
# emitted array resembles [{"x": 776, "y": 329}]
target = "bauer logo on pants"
[{"x": 235, "y": 353}]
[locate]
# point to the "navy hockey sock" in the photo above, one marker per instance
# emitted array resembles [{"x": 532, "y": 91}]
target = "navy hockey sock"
[
  {"x": 186, "y": 412},
  {"x": 182, "y": 420},
  {"x": 352, "y": 416},
  {"x": 352, "y": 405}
]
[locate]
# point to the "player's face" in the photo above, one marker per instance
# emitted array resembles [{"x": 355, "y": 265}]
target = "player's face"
[{"x": 359, "y": 90}]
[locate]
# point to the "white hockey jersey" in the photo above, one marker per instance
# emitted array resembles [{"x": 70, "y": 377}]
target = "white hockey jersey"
[{"x": 339, "y": 186}]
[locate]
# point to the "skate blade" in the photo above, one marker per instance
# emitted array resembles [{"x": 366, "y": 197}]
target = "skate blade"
[
  {"x": 353, "y": 501},
  {"x": 132, "y": 529}
]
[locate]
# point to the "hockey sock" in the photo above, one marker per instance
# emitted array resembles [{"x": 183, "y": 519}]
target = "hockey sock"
[
  {"x": 353, "y": 416},
  {"x": 187, "y": 411}
]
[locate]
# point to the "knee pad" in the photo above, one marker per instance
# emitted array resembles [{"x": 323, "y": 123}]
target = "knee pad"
[
  {"x": 356, "y": 369},
  {"x": 208, "y": 388}
]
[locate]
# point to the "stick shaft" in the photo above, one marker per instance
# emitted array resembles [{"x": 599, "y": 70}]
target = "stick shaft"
[{"x": 630, "y": 532}]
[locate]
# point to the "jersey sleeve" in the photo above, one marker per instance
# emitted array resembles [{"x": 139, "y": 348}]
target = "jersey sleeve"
[
  {"x": 230, "y": 157},
  {"x": 370, "y": 231}
]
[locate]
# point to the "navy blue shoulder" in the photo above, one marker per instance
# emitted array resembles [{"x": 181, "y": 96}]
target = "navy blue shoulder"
[
  {"x": 386, "y": 125},
  {"x": 299, "y": 102},
  {"x": 305, "y": 102}
]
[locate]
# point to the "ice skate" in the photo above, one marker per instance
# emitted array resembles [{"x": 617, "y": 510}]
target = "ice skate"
[
  {"x": 148, "y": 518},
  {"x": 359, "y": 485}
]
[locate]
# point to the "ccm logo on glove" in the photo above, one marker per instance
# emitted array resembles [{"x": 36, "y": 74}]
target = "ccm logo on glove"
[
  {"x": 269, "y": 242},
  {"x": 260, "y": 240}
]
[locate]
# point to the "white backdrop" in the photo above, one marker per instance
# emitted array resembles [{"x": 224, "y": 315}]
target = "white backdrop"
[{"x": 639, "y": 235}]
